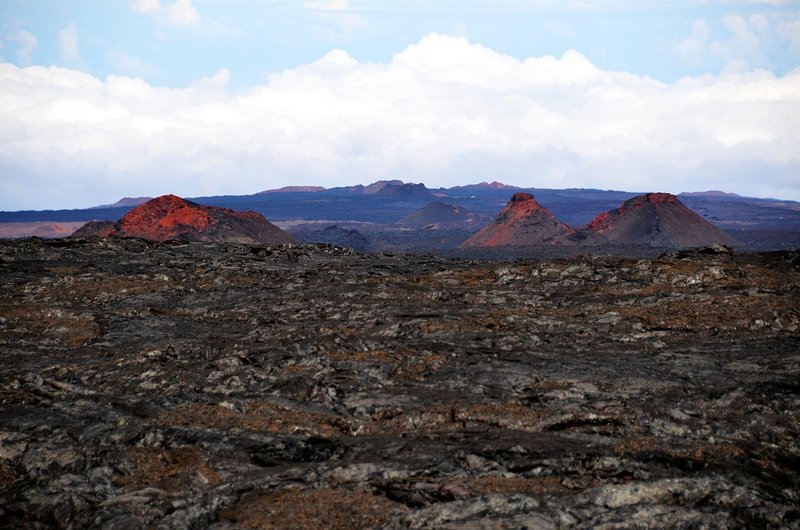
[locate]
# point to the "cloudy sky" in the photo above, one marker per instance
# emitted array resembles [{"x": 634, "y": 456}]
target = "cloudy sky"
[{"x": 102, "y": 99}]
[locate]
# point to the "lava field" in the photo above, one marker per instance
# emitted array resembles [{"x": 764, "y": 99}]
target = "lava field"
[{"x": 200, "y": 385}]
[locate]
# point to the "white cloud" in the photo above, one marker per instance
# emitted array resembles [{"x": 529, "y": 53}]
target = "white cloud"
[
  {"x": 443, "y": 111},
  {"x": 790, "y": 30},
  {"x": 338, "y": 19},
  {"x": 180, "y": 13},
  {"x": 127, "y": 64},
  {"x": 26, "y": 45},
  {"x": 560, "y": 29},
  {"x": 693, "y": 49},
  {"x": 328, "y": 5},
  {"x": 747, "y": 46},
  {"x": 759, "y": 22},
  {"x": 217, "y": 81},
  {"x": 69, "y": 44},
  {"x": 146, "y": 6},
  {"x": 742, "y": 33},
  {"x": 740, "y": 44}
]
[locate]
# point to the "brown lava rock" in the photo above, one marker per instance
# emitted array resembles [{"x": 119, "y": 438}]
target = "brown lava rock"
[
  {"x": 201, "y": 385},
  {"x": 316, "y": 509}
]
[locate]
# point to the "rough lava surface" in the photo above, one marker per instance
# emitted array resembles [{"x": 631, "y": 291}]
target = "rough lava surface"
[
  {"x": 228, "y": 386},
  {"x": 171, "y": 217},
  {"x": 523, "y": 222}
]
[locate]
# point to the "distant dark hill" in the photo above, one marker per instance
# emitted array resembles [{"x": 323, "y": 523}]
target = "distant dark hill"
[
  {"x": 338, "y": 236},
  {"x": 369, "y": 189},
  {"x": 442, "y": 214},
  {"x": 656, "y": 220},
  {"x": 523, "y": 222},
  {"x": 170, "y": 217},
  {"x": 45, "y": 230},
  {"x": 482, "y": 186},
  {"x": 377, "y": 186},
  {"x": 125, "y": 202},
  {"x": 404, "y": 192},
  {"x": 294, "y": 189},
  {"x": 709, "y": 193},
  {"x": 95, "y": 229},
  {"x": 757, "y": 224}
]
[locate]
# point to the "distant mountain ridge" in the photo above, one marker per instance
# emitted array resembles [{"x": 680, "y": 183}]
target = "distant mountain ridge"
[
  {"x": 294, "y": 189},
  {"x": 484, "y": 186},
  {"x": 125, "y": 201},
  {"x": 763, "y": 224},
  {"x": 369, "y": 189},
  {"x": 389, "y": 189},
  {"x": 414, "y": 192},
  {"x": 710, "y": 193}
]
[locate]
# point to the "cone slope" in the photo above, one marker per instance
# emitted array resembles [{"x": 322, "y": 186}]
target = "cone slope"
[
  {"x": 171, "y": 217},
  {"x": 653, "y": 219},
  {"x": 523, "y": 222},
  {"x": 656, "y": 220}
]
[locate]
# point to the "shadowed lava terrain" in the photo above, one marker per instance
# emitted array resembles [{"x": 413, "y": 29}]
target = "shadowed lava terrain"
[{"x": 191, "y": 385}]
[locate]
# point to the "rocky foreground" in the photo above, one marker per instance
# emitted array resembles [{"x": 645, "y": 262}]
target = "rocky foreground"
[{"x": 166, "y": 385}]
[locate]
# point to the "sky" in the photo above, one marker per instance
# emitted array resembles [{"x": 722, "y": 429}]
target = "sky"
[{"x": 103, "y": 99}]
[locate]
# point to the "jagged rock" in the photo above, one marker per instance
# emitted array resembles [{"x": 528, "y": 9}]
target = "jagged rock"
[
  {"x": 201, "y": 385},
  {"x": 338, "y": 236}
]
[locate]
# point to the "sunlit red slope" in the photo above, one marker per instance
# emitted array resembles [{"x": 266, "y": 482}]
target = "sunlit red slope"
[
  {"x": 657, "y": 220},
  {"x": 522, "y": 222},
  {"x": 171, "y": 217}
]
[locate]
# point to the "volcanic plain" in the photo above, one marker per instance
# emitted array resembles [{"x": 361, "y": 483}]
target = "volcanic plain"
[{"x": 207, "y": 385}]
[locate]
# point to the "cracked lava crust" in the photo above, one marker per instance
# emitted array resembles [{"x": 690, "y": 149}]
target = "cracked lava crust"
[{"x": 170, "y": 385}]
